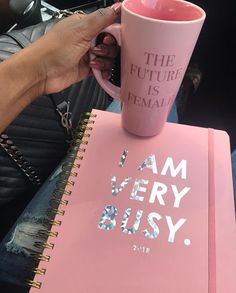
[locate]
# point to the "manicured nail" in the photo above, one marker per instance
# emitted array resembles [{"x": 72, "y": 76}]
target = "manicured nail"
[
  {"x": 95, "y": 64},
  {"x": 97, "y": 50},
  {"x": 107, "y": 40},
  {"x": 117, "y": 7},
  {"x": 106, "y": 75}
]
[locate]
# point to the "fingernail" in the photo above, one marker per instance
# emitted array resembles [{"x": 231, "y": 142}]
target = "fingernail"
[
  {"x": 117, "y": 7},
  {"x": 94, "y": 64},
  {"x": 97, "y": 50},
  {"x": 106, "y": 75},
  {"x": 107, "y": 40}
]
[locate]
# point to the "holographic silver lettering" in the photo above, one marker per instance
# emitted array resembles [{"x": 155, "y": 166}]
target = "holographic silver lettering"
[
  {"x": 115, "y": 189},
  {"x": 123, "y": 158},
  {"x": 149, "y": 163},
  {"x": 137, "y": 188},
  {"x": 124, "y": 222},
  {"x": 151, "y": 222},
  {"x": 107, "y": 220}
]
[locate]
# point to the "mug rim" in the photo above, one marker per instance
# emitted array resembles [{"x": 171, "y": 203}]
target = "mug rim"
[{"x": 203, "y": 14}]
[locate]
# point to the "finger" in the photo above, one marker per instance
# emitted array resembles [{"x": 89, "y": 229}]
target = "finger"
[
  {"x": 105, "y": 51},
  {"x": 106, "y": 39},
  {"x": 101, "y": 64},
  {"x": 100, "y": 19},
  {"x": 106, "y": 74},
  {"x": 109, "y": 39}
]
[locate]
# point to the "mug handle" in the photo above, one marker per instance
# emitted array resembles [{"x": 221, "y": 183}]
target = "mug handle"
[{"x": 110, "y": 88}]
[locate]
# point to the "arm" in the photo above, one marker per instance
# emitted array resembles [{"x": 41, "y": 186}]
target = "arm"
[
  {"x": 52, "y": 63},
  {"x": 20, "y": 83}
]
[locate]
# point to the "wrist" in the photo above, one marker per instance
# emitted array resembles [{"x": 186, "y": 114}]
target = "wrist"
[
  {"x": 24, "y": 73},
  {"x": 35, "y": 75}
]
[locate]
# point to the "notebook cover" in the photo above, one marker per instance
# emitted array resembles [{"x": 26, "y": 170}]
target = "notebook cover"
[{"x": 183, "y": 241}]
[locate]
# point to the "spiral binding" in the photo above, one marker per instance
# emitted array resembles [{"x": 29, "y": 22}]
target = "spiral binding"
[{"x": 69, "y": 170}]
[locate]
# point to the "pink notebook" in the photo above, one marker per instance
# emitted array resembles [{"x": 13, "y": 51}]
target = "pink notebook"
[{"x": 145, "y": 214}]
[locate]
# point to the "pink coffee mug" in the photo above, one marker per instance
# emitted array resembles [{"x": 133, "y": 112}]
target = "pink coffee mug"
[{"x": 157, "y": 39}]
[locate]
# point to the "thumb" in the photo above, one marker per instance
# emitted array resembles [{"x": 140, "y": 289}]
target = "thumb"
[{"x": 100, "y": 19}]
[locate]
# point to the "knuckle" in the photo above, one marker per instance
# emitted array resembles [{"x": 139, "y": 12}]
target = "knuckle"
[{"x": 102, "y": 11}]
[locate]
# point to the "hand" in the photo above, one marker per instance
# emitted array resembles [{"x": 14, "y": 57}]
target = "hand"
[
  {"x": 106, "y": 51},
  {"x": 64, "y": 49}
]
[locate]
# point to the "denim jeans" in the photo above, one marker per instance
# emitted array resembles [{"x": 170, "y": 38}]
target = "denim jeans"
[{"x": 16, "y": 250}]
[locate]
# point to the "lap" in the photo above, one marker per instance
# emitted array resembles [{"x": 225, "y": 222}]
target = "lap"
[{"x": 18, "y": 250}]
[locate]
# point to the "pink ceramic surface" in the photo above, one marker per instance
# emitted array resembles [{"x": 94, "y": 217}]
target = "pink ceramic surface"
[
  {"x": 157, "y": 40},
  {"x": 201, "y": 258}
]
